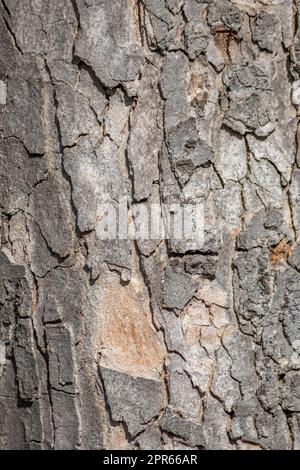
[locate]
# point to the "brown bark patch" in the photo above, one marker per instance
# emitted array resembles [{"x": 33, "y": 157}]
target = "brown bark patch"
[
  {"x": 279, "y": 253},
  {"x": 127, "y": 340},
  {"x": 221, "y": 39},
  {"x": 198, "y": 90}
]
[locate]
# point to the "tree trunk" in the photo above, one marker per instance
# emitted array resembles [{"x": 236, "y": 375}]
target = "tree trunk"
[{"x": 149, "y": 341}]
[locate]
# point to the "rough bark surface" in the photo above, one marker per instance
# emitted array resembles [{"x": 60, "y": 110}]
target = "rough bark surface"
[{"x": 149, "y": 344}]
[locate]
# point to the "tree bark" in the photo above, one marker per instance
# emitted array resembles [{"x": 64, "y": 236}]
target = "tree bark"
[{"x": 149, "y": 343}]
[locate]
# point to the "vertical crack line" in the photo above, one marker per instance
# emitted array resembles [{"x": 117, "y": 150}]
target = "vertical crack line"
[
  {"x": 49, "y": 389},
  {"x": 76, "y": 12},
  {"x": 61, "y": 149},
  {"x": 109, "y": 410},
  {"x": 9, "y": 28}
]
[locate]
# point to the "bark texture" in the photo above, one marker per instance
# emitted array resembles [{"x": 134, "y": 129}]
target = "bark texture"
[{"x": 149, "y": 344}]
